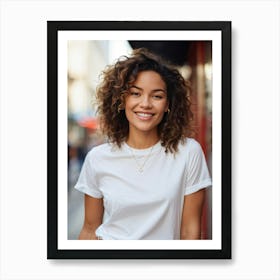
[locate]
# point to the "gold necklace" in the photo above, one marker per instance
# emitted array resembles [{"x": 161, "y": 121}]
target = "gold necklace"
[{"x": 141, "y": 166}]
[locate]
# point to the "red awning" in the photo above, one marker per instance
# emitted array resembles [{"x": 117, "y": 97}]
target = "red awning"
[{"x": 91, "y": 123}]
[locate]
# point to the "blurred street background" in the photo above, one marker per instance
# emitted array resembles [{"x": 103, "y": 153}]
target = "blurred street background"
[{"x": 86, "y": 60}]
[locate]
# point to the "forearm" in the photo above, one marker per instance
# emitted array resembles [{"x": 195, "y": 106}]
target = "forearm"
[
  {"x": 88, "y": 232},
  {"x": 93, "y": 218},
  {"x": 191, "y": 218},
  {"x": 191, "y": 234}
]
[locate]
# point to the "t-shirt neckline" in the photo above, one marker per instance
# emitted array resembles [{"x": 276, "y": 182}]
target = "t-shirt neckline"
[{"x": 155, "y": 148}]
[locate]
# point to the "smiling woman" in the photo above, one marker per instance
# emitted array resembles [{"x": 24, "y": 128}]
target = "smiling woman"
[
  {"x": 121, "y": 79},
  {"x": 148, "y": 181}
]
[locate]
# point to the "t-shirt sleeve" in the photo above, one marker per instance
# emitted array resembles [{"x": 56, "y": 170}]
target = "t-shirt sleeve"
[
  {"x": 198, "y": 176},
  {"x": 87, "y": 179}
]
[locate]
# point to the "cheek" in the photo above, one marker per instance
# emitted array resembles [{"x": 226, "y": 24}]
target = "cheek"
[{"x": 128, "y": 103}]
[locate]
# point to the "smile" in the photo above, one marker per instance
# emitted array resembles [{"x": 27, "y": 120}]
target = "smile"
[{"x": 144, "y": 116}]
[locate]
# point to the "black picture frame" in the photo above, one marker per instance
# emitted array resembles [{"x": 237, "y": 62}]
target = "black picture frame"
[{"x": 53, "y": 252}]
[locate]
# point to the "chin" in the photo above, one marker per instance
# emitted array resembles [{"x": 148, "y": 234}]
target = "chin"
[{"x": 144, "y": 128}]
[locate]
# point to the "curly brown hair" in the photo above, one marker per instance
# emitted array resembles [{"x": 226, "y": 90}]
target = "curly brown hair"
[{"x": 117, "y": 79}]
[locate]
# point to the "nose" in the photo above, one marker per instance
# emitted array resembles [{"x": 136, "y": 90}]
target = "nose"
[{"x": 145, "y": 102}]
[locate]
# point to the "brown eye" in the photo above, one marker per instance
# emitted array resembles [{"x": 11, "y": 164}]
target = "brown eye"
[
  {"x": 134, "y": 93},
  {"x": 157, "y": 96}
]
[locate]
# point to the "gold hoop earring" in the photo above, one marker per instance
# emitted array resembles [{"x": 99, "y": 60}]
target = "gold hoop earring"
[{"x": 120, "y": 108}]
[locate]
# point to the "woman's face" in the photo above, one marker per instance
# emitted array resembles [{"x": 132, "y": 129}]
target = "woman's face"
[{"x": 146, "y": 102}]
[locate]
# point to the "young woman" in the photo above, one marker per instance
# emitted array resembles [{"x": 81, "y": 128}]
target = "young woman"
[{"x": 148, "y": 181}]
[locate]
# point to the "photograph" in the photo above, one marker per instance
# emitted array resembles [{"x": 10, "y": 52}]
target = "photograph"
[{"x": 139, "y": 140}]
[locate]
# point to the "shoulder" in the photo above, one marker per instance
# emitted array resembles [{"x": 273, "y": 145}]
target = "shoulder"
[
  {"x": 99, "y": 149},
  {"x": 190, "y": 149},
  {"x": 102, "y": 150},
  {"x": 190, "y": 145}
]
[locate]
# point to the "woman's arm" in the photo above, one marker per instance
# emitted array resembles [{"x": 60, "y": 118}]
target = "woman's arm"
[
  {"x": 93, "y": 217},
  {"x": 191, "y": 217}
]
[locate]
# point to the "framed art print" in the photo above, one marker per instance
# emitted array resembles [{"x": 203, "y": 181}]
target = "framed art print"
[{"x": 77, "y": 54}]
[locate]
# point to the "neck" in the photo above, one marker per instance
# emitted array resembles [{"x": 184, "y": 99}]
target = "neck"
[{"x": 142, "y": 141}]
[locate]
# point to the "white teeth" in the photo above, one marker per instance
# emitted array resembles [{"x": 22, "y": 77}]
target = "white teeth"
[{"x": 144, "y": 114}]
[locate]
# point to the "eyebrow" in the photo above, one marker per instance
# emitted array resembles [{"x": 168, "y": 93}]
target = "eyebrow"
[{"x": 154, "y": 90}]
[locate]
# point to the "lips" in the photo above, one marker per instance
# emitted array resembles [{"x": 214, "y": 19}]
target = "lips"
[{"x": 144, "y": 115}]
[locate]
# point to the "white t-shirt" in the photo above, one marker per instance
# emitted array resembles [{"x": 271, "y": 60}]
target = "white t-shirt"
[{"x": 145, "y": 205}]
